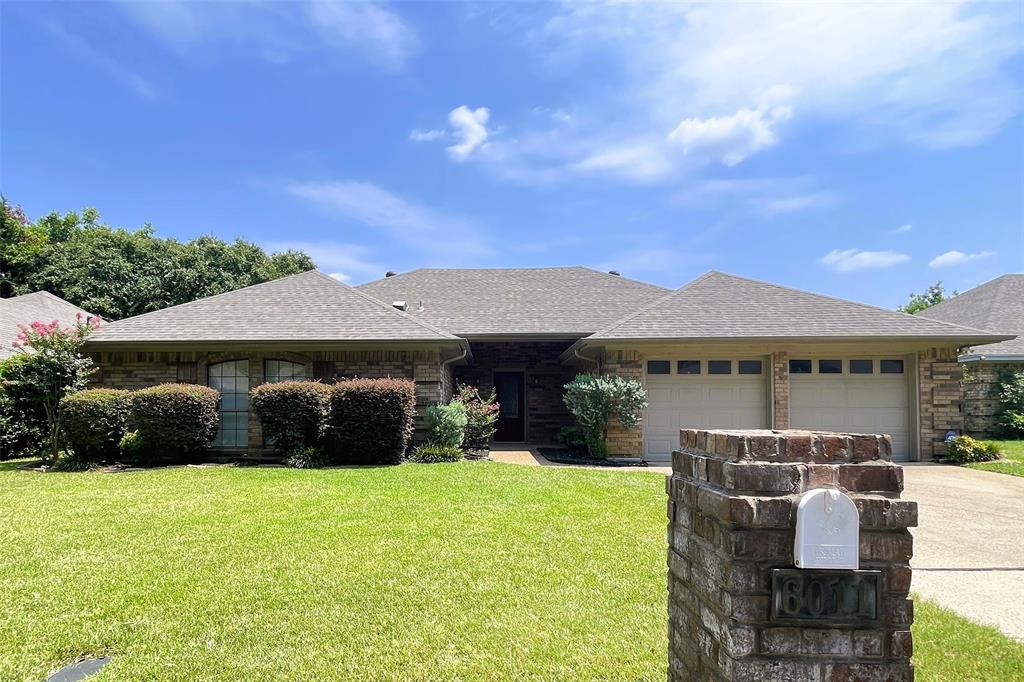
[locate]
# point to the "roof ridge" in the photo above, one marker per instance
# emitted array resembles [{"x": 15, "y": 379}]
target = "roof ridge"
[
  {"x": 621, "y": 277},
  {"x": 868, "y": 306},
  {"x": 393, "y": 309},
  {"x": 652, "y": 304}
]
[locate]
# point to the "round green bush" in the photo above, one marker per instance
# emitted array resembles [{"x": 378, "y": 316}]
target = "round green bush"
[
  {"x": 447, "y": 424},
  {"x": 966, "y": 450},
  {"x": 293, "y": 413},
  {"x": 433, "y": 454},
  {"x": 371, "y": 420},
  {"x": 94, "y": 421},
  {"x": 173, "y": 421}
]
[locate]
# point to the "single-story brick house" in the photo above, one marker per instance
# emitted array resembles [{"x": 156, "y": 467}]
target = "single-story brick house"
[
  {"x": 997, "y": 306},
  {"x": 39, "y": 306},
  {"x": 722, "y": 351}
]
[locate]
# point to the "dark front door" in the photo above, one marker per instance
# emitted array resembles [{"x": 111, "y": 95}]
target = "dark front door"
[{"x": 511, "y": 414}]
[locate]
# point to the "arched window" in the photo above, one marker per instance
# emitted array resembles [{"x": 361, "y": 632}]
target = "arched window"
[
  {"x": 231, "y": 378},
  {"x": 283, "y": 370}
]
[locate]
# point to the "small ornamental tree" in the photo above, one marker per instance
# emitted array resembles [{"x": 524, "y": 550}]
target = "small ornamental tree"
[
  {"x": 594, "y": 400},
  {"x": 447, "y": 424},
  {"x": 1011, "y": 401},
  {"x": 52, "y": 367},
  {"x": 481, "y": 415}
]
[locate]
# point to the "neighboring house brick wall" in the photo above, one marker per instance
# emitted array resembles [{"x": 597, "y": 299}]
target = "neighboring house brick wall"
[
  {"x": 544, "y": 380},
  {"x": 628, "y": 364},
  {"x": 940, "y": 399},
  {"x": 780, "y": 390},
  {"x": 139, "y": 369},
  {"x": 981, "y": 395}
]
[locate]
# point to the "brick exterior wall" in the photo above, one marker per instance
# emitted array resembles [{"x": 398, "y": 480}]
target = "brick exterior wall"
[
  {"x": 780, "y": 390},
  {"x": 139, "y": 369},
  {"x": 732, "y": 516},
  {"x": 544, "y": 380},
  {"x": 981, "y": 395},
  {"x": 629, "y": 364},
  {"x": 940, "y": 399}
]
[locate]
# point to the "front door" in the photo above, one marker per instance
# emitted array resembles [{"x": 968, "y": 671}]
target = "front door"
[{"x": 511, "y": 426}]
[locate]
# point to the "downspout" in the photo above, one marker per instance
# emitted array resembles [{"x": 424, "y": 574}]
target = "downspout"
[
  {"x": 449, "y": 361},
  {"x": 576, "y": 354}
]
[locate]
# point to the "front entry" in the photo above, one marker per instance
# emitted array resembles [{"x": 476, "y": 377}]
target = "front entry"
[{"x": 511, "y": 425}]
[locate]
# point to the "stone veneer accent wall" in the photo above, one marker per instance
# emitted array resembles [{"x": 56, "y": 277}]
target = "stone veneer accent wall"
[
  {"x": 981, "y": 395},
  {"x": 780, "y": 390},
  {"x": 940, "y": 399},
  {"x": 629, "y": 364},
  {"x": 732, "y": 514},
  {"x": 545, "y": 377},
  {"x": 139, "y": 369}
]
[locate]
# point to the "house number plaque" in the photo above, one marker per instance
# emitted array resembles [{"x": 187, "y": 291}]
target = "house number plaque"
[{"x": 824, "y": 596}]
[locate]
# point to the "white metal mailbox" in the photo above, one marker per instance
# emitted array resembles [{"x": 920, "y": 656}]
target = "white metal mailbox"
[{"x": 827, "y": 531}]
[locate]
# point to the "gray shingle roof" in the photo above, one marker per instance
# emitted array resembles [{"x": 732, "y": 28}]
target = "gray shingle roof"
[
  {"x": 997, "y": 306},
  {"x": 721, "y": 306},
  {"x": 40, "y": 306},
  {"x": 307, "y": 307},
  {"x": 569, "y": 301}
]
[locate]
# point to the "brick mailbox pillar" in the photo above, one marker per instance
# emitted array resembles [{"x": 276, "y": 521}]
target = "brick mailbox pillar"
[{"x": 738, "y": 607}]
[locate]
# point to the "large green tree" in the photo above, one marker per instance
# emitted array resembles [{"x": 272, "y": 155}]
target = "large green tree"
[
  {"x": 933, "y": 295},
  {"x": 118, "y": 273}
]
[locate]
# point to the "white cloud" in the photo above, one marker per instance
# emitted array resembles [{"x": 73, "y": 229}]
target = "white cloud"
[
  {"x": 426, "y": 135},
  {"x": 377, "y": 31},
  {"x": 957, "y": 257},
  {"x": 276, "y": 32},
  {"x": 341, "y": 277},
  {"x": 729, "y": 139},
  {"x": 470, "y": 127},
  {"x": 415, "y": 226},
  {"x": 639, "y": 161},
  {"x": 764, "y": 197},
  {"x": 849, "y": 260},
  {"x": 114, "y": 68},
  {"x": 903, "y": 229},
  {"x": 343, "y": 261}
]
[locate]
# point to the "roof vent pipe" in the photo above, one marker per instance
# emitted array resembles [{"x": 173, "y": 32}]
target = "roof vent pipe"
[
  {"x": 615, "y": 272},
  {"x": 390, "y": 273}
]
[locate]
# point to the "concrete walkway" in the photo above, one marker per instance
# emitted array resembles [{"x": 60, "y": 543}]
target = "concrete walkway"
[
  {"x": 969, "y": 543},
  {"x": 529, "y": 456}
]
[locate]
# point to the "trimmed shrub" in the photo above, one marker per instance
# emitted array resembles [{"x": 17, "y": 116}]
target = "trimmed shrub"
[
  {"x": 572, "y": 439},
  {"x": 1011, "y": 401},
  {"x": 293, "y": 413},
  {"x": 173, "y": 421},
  {"x": 481, "y": 415},
  {"x": 94, "y": 421},
  {"x": 22, "y": 420},
  {"x": 433, "y": 454},
  {"x": 965, "y": 450},
  {"x": 371, "y": 420},
  {"x": 594, "y": 400},
  {"x": 447, "y": 424},
  {"x": 307, "y": 458}
]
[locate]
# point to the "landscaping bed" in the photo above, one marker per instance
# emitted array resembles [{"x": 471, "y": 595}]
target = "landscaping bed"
[
  {"x": 470, "y": 571},
  {"x": 1012, "y": 461},
  {"x": 566, "y": 456}
]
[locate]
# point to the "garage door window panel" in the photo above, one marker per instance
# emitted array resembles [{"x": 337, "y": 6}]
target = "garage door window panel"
[
  {"x": 659, "y": 367},
  {"x": 750, "y": 366},
  {"x": 830, "y": 366},
  {"x": 862, "y": 366},
  {"x": 688, "y": 367},
  {"x": 891, "y": 366},
  {"x": 799, "y": 366},
  {"x": 719, "y": 366}
]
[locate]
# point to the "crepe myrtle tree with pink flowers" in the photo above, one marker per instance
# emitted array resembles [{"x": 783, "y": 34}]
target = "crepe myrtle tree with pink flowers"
[{"x": 48, "y": 366}]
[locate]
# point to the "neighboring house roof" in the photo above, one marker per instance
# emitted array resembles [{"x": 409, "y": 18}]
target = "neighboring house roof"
[
  {"x": 565, "y": 301},
  {"x": 997, "y": 306},
  {"x": 306, "y": 307},
  {"x": 717, "y": 306},
  {"x": 40, "y": 306}
]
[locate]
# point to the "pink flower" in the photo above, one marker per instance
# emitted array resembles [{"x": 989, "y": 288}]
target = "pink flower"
[{"x": 78, "y": 316}]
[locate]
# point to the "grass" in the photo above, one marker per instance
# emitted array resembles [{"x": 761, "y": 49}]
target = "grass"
[
  {"x": 469, "y": 571},
  {"x": 1012, "y": 462}
]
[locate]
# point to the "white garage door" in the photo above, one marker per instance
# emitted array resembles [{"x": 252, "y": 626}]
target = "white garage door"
[
  {"x": 704, "y": 393},
  {"x": 855, "y": 395}
]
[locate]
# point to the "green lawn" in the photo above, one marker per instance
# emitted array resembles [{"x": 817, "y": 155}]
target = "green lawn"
[
  {"x": 471, "y": 571},
  {"x": 1012, "y": 462}
]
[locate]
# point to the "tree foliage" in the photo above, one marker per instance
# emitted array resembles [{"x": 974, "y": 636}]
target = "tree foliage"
[
  {"x": 933, "y": 295},
  {"x": 594, "y": 400},
  {"x": 1011, "y": 402},
  {"x": 116, "y": 273}
]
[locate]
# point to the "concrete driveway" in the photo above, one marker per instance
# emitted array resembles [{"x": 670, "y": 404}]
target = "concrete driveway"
[{"x": 969, "y": 543}]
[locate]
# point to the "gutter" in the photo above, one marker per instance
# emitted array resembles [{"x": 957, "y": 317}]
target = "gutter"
[{"x": 991, "y": 358}]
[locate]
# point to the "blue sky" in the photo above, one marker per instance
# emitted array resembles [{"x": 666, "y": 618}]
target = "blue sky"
[{"x": 859, "y": 151}]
